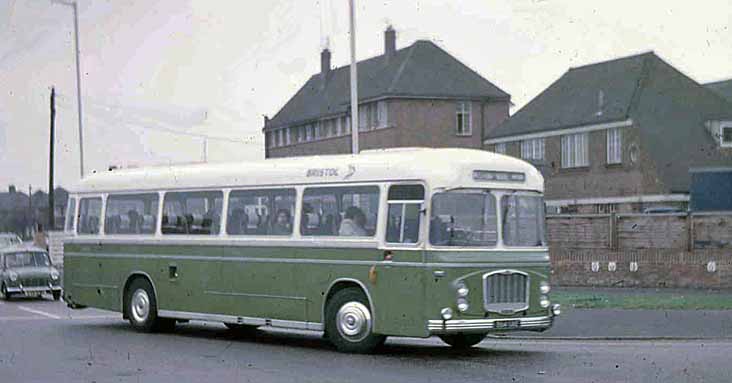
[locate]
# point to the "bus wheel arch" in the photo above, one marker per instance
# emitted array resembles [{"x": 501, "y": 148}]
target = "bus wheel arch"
[
  {"x": 126, "y": 290},
  {"x": 341, "y": 284},
  {"x": 347, "y": 321}
]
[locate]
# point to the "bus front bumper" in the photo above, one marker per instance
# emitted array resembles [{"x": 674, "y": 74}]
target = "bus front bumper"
[{"x": 541, "y": 323}]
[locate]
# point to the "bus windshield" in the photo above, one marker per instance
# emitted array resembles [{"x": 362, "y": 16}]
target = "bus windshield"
[{"x": 468, "y": 218}]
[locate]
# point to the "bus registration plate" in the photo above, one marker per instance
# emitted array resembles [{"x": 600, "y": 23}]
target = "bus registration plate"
[{"x": 508, "y": 324}]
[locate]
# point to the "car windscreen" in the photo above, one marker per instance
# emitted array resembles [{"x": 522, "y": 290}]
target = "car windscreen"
[{"x": 27, "y": 259}]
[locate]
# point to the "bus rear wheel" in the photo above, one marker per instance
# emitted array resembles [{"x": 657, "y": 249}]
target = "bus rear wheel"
[
  {"x": 462, "y": 341},
  {"x": 142, "y": 308},
  {"x": 349, "y": 323}
]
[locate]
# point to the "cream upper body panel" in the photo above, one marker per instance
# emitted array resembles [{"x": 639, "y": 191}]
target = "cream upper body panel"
[{"x": 439, "y": 168}]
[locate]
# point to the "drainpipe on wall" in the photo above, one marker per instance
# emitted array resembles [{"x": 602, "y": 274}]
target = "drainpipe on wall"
[{"x": 482, "y": 124}]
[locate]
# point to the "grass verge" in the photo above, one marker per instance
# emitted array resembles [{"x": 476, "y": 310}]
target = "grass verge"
[{"x": 633, "y": 300}]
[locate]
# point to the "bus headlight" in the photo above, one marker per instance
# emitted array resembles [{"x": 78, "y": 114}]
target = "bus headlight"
[
  {"x": 446, "y": 313},
  {"x": 462, "y": 290},
  {"x": 544, "y": 287},
  {"x": 544, "y": 301},
  {"x": 462, "y": 305},
  {"x": 54, "y": 275},
  {"x": 13, "y": 276}
]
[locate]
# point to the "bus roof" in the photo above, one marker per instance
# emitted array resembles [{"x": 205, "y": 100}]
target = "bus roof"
[{"x": 449, "y": 168}]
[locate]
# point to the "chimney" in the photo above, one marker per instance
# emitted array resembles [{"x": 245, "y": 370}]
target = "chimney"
[
  {"x": 389, "y": 41},
  {"x": 325, "y": 63},
  {"x": 11, "y": 189}
]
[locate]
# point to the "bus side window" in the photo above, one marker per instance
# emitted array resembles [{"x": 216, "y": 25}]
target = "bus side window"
[
  {"x": 260, "y": 212},
  {"x": 90, "y": 210},
  {"x": 349, "y": 211},
  {"x": 131, "y": 214},
  {"x": 195, "y": 213},
  {"x": 404, "y": 213}
]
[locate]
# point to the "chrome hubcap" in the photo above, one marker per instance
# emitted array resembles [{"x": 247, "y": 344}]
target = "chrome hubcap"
[
  {"x": 140, "y": 306},
  {"x": 353, "y": 321}
]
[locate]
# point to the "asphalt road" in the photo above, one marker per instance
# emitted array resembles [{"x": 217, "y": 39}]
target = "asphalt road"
[{"x": 43, "y": 341}]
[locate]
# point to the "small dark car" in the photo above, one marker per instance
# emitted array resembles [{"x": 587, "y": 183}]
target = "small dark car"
[{"x": 27, "y": 271}]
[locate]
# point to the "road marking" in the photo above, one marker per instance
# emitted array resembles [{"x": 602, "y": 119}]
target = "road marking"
[{"x": 39, "y": 312}]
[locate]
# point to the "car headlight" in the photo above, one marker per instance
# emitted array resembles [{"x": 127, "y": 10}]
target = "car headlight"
[
  {"x": 462, "y": 290},
  {"x": 13, "y": 276},
  {"x": 54, "y": 275},
  {"x": 544, "y": 287}
]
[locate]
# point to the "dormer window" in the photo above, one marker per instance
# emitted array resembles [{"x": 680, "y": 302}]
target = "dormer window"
[{"x": 725, "y": 134}]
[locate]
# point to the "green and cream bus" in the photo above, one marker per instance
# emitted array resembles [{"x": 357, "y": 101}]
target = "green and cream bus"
[{"x": 401, "y": 242}]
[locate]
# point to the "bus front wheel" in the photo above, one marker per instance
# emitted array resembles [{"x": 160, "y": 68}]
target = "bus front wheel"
[
  {"x": 142, "y": 308},
  {"x": 349, "y": 323},
  {"x": 462, "y": 341}
]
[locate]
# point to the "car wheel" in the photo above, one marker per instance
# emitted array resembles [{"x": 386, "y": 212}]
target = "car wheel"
[
  {"x": 349, "y": 323},
  {"x": 142, "y": 308},
  {"x": 56, "y": 295},
  {"x": 462, "y": 341},
  {"x": 4, "y": 294}
]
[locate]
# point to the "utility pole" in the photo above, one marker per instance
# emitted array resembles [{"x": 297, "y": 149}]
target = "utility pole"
[
  {"x": 73, "y": 5},
  {"x": 51, "y": 215},
  {"x": 354, "y": 82},
  {"x": 30, "y": 208}
]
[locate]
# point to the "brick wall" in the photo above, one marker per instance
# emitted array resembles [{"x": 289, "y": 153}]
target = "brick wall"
[
  {"x": 412, "y": 122},
  {"x": 665, "y": 250}
]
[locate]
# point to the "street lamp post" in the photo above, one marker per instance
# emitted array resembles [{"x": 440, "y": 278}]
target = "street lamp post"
[{"x": 73, "y": 5}]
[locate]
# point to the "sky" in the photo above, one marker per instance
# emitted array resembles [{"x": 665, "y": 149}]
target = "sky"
[{"x": 181, "y": 81}]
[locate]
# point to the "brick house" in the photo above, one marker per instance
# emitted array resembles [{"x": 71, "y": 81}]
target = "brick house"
[
  {"x": 619, "y": 135},
  {"x": 419, "y": 95}
]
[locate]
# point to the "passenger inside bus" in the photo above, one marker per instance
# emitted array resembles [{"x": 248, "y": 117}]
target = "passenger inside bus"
[
  {"x": 282, "y": 224},
  {"x": 238, "y": 222},
  {"x": 353, "y": 223}
]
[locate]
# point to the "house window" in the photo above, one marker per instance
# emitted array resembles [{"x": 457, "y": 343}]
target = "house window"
[
  {"x": 309, "y": 133},
  {"x": 382, "y": 114},
  {"x": 725, "y": 136},
  {"x": 614, "y": 146},
  {"x": 532, "y": 149},
  {"x": 288, "y": 136},
  {"x": 463, "y": 120},
  {"x": 363, "y": 118},
  {"x": 500, "y": 148},
  {"x": 606, "y": 208},
  {"x": 300, "y": 130},
  {"x": 318, "y": 130},
  {"x": 575, "y": 151},
  {"x": 281, "y": 137}
]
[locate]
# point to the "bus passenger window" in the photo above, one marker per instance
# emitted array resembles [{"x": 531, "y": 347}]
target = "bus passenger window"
[
  {"x": 196, "y": 213},
  {"x": 131, "y": 214},
  {"x": 70, "y": 211},
  {"x": 405, "y": 209},
  {"x": 90, "y": 210},
  {"x": 260, "y": 212},
  {"x": 340, "y": 211}
]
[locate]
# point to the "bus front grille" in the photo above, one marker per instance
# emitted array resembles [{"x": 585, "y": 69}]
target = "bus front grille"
[{"x": 506, "y": 291}]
